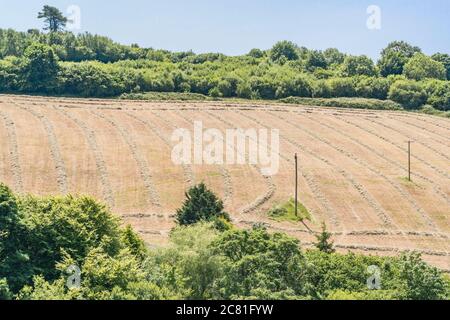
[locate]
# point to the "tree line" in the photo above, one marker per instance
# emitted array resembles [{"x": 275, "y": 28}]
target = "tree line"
[
  {"x": 43, "y": 238},
  {"x": 85, "y": 65},
  {"x": 62, "y": 63}
]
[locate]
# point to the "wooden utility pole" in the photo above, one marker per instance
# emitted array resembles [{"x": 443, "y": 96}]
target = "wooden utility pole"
[
  {"x": 296, "y": 185},
  {"x": 409, "y": 160}
]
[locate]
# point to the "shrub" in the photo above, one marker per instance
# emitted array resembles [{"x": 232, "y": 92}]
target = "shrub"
[
  {"x": 39, "y": 69},
  {"x": 445, "y": 60},
  {"x": 421, "y": 67},
  {"x": 260, "y": 265},
  {"x": 228, "y": 86},
  {"x": 410, "y": 94},
  {"x": 283, "y": 51},
  {"x": 321, "y": 89},
  {"x": 358, "y": 66},
  {"x": 13, "y": 270},
  {"x": 427, "y": 109},
  {"x": 333, "y": 56},
  {"x": 9, "y": 74},
  {"x": 5, "y": 293},
  {"x": 420, "y": 281},
  {"x": 201, "y": 204},
  {"x": 164, "y": 96},
  {"x": 256, "y": 53},
  {"x": 39, "y": 233},
  {"x": 263, "y": 87},
  {"x": 352, "y": 275},
  {"x": 299, "y": 86},
  {"x": 370, "y": 87},
  {"x": 342, "y": 87},
  {"x": 356, "y": 103},
  {"x": 315, "y": 59},
  {"x": 394, "y": 57},
  {"x": 286, "y": 212},
  {"x": 87, "y": 79},
  {"x": 324, "y": 244},
  {"x": 215, "y": 92},
  {"x": 188, "y": 266},
  {"x": 439, "y": 94},
  {"x": 244, "y": 90}
]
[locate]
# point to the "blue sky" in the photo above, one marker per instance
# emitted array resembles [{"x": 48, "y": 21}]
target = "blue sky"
[{"x": 234, "y": 27}]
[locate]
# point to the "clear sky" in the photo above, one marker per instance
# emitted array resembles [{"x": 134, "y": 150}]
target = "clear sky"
[{"x": 234, "y": 27}]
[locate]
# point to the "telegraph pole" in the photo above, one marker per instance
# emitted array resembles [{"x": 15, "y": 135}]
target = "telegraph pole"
[
  {"x": 409, "y": 160},
  {"x": 296, "y": 185}
]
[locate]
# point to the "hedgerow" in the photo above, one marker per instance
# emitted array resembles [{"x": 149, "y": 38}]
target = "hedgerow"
[{"x": 88, "y": 65}]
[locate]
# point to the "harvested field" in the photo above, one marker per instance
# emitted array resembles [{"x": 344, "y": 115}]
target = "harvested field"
[{"x": 353, "y": 166}]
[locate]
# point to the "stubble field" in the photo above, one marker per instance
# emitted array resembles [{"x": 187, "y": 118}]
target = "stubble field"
[{"x": 353, "y": 167}]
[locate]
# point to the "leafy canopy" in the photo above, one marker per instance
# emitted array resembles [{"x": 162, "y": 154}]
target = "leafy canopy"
[
  {"x": 53, "y": 18},
  {"x": 201, "y": 204},
  {"x": 421, "y": 67}
]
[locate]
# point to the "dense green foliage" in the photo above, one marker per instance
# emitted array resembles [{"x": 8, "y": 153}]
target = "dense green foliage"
[
  {"x": 53, "y": 18},
  {"x": 202, "y": 204},
  {"x": 408, "y": 93},
  {"x": 43, "y": 237},
  {"x": 286, "y": 212},
  {"x": 355, "y": 103},
  {"x": 37, "y": 233},
  {"x": 88, "y": 65},
  {"x": 421, "y": 67},
  {"x": 445, "y": 60},
  {"x": 165, "y": 96},
  {"x": 395, "y": 56},
  {"x": 324, "y": 243}
]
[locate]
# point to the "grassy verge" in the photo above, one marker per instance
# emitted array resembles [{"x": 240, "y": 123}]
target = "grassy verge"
[
  {"x": 357, "y": 103},
  {"x": 165, "y": 96},
  {"x": 286, "y": 212},
  {"x": 434, "y": 112}
]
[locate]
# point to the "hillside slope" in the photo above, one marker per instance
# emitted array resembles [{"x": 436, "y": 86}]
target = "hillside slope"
[{"x": 352, "y": 166}]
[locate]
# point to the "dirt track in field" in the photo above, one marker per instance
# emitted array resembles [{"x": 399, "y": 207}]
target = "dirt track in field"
[{"x": 353, "y": 165}]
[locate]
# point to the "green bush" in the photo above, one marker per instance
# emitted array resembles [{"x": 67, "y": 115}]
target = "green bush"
[
  {"x": 39, "y": 69},
  {"x": 358, "y": 66},
  {"x": 9, "y": 74},
  {"x": 427, "y": 109},
  {"x": 410, "y": 94},
  {"x": 421, "y": 67},
  {"x": 88, "y": 65},
  {"x": 314, "y": 60},
  {"x": 283, "y": 51},
  {"x": 87, "y": 79},
  {"x": 260, "y": 265},
  {"x": 445, "y": 60},
  {"x": 13, "y": 270},
  {"x": 299, "y": 86},
  {"x": 201, "y": 204},
  {"x": 263, "y": 87},
  {"x": 395, "y": 56},
  {"x": 342, "y": 87},
  {"x": 438, "y": 94},
  {"x": 356, "y": 103},
  {"x": 321, "y": 89},
  {"x": 370, "y": 87},
  {"x": 42, "y": 236},
  {"x": 165, "y": 96}
]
